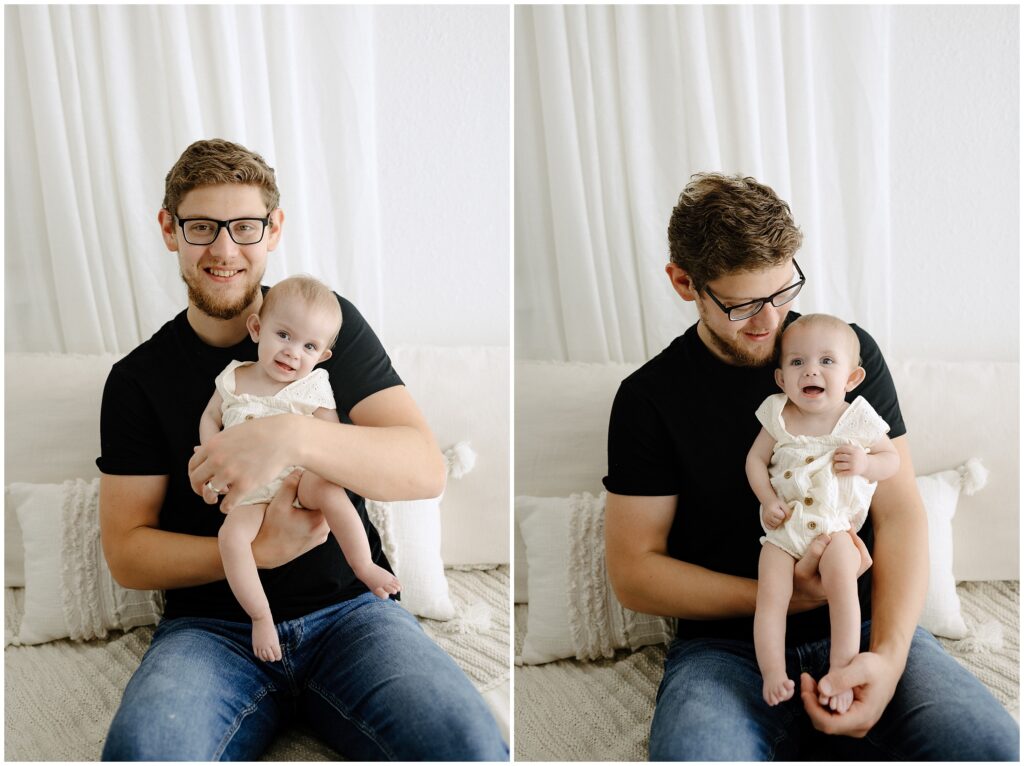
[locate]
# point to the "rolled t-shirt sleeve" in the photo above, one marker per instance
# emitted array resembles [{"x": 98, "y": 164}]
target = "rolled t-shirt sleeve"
[
  {"x": 132, "y": 442},
  {"x": 641, "y": 457},
  {"x": 878, "y": 387},
  {"x": 359, "y": 366}
]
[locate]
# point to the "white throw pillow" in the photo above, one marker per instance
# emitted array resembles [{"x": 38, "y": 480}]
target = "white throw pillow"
[
  {"x": 14, "y": 548},
  {"x": 410, "y": 532},
  {"x": 69, "y": 592},
  {"x": 940, "y": 492},
  {"x": 573, "y": 609}
]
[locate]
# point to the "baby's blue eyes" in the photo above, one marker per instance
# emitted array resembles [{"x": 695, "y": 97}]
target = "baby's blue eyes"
[{"x": 825, "y": 360}]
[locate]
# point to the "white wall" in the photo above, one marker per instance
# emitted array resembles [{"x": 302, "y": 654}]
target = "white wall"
[
  {"x": 955, "y": 182},
  {"x": 443, "y": 160}
]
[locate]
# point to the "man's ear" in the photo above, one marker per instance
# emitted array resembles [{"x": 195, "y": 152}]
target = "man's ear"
[
  {"x": 252, "y": 324},
  {"x": 166, "y": 221},
  {"x": 325, "y": 356},
  {"x": 855, "y": 379},
  {"x": 276, "y": 217},
  {"x": 681, "y": 282},
  {"x": 778, "y": 378}
]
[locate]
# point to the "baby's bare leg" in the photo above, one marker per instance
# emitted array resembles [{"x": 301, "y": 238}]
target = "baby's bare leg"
[
  {"x": 774, "y": 590},
  {"x": 343, "y": 519},
  {"x": 838, "y": 567},
  {"x": 235, "y": 541}
]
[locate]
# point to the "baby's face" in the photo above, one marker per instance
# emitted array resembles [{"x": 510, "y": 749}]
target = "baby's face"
[
  {"x": 292, "y": 340},
  {"x": 817, "y": 367}
]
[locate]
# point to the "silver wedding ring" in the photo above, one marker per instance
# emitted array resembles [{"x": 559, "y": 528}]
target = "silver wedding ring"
[{"x": 214, "y": 489}]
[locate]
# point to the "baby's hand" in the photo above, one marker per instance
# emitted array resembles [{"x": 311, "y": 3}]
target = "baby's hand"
[
  {"x": 850, "y": 460},
  {"x": 774, "y": 513}
]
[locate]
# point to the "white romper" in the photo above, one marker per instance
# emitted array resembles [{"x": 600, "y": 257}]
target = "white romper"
[
  {"x": 804, "y": 478},
  {"x": 301, "y": 397}
]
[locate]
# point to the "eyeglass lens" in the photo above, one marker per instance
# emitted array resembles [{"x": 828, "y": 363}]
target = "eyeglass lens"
[
  {"x": 244, "y": 231},
  {"x": 779, "y": 299}
]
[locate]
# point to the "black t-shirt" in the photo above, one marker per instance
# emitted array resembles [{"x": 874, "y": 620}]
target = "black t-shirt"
[
  {"x": 682, "y": 425},
  {"x": 149, "y": 424}
]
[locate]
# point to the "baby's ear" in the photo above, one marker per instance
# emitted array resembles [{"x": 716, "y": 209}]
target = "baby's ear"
[
  {"x": 778, "y": 378},
  {"x": 855, "y": 379},
  {"x": 252, "y": 324},
  {"x": 325, "y": 356}
]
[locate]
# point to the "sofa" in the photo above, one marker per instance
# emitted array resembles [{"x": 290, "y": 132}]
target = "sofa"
[
  {"x": 73, "y": 637},
  {"x": 587, "y": 670}
]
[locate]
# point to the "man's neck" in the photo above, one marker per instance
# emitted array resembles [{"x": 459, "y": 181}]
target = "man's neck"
[{"x": 221, "y": 333}]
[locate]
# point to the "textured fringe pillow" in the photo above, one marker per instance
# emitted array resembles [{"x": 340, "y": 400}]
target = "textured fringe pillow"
[
  {"x": 573, "y": 609},
  {"x": 69, "y": 592}
]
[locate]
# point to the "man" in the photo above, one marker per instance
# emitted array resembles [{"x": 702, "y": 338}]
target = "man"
[
  {"x": 682, "y": 527},
  {"x": 356, "y": 669}
]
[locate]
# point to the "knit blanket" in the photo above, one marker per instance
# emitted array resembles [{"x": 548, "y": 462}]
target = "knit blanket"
[
  {"x": 61, "y": 696},
  {"x": 601, "y": 711}
]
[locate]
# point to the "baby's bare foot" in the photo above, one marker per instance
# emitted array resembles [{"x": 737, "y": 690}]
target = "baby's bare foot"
[
  {"x": 840, "y": 703},
  {"x": 265, "y": 643},
  {"x": 777, "y": 688},
  {"x": 379, "y": 580}
]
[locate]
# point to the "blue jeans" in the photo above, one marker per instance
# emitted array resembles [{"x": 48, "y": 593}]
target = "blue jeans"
[
  {"x": 362, "y": 675},
  {"x": 710, "y": 709}
]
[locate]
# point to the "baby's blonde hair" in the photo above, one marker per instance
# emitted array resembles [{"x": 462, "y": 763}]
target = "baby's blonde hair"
[
  {"x": 315, "y": 294},
  {"x": 830, "y": 322}
]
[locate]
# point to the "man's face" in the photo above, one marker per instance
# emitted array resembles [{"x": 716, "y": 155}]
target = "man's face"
[
  {"x": 223, "y": 278},
  {"x": 749, "y": 342}
]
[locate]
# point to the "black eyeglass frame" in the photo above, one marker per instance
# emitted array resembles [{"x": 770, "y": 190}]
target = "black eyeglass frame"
[
  {"x": 224, "y": 225},
  {"x": 767, "y": 299}
]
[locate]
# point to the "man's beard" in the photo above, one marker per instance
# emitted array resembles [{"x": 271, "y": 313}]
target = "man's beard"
[
  {"x": 220, "y": 310},
  {"x": 736, "y": 353}
]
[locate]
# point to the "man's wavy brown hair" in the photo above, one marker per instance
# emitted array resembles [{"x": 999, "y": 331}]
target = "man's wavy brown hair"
[
  {"x": 216, "y": 161},
  {"x": 725, "y": 224}
]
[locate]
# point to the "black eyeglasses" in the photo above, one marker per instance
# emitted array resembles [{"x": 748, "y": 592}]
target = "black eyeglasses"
[
  {"x": 204, "y": 231},
  {"x": 750, "y": 308}
]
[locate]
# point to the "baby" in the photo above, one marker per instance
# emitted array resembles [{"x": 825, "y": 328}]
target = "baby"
[
  {"x": 814, "y": 467},
  {"x": 295, "y": 328}
]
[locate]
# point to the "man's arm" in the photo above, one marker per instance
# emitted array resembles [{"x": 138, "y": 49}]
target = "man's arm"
[
  {"x": 142, "y": 556},
  {"x": 389, "y": 453},
  {"x": 899, "y": 584},
  {"x": 646, "y": 579}
]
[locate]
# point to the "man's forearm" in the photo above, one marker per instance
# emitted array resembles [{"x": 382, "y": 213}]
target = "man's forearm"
[
  {"x": 659, "y": 584},
  {"x": 154, "y": 559},
  {"x": 384, "y": 463},
  {"x": 900, "y": 578}
]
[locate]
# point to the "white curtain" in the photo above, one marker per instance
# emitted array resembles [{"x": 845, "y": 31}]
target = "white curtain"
[
  {"x": 615, "y": 108},
  {"x": 101, "y": 101}
]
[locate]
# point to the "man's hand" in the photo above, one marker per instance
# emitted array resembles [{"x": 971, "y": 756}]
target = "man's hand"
[
  {"x": 287, "y": 532},
  {"x": 808, "y": 592},
  {"x": 774, "y": 513},
  {"x": 850, "y": 460},
  {"x": 873, "y": 679},
  {"x": 240, "y": 459}
]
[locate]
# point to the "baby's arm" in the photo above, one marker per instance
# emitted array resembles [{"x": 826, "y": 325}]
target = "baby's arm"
[
  {"x": 323, "y": 413},
  {"x": 210, "y": 423},
  {"x": 774, "y": 511},
  {"x": 882, "y": 462}
]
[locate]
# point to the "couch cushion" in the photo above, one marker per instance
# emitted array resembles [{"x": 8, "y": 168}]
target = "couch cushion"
[{"x": 953, "y": 410}]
